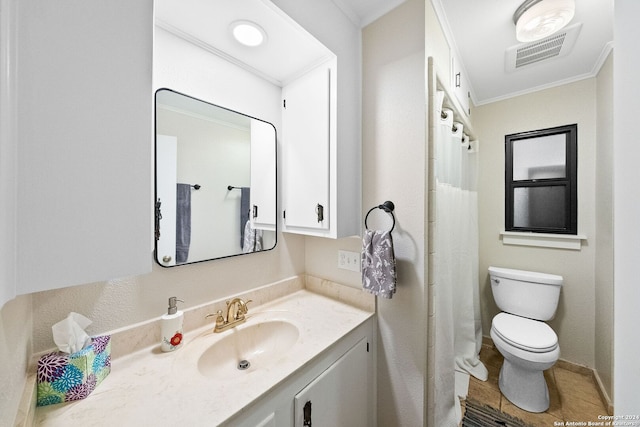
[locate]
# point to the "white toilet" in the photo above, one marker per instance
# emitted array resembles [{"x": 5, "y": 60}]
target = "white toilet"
[{"x": 529, "y": 346}]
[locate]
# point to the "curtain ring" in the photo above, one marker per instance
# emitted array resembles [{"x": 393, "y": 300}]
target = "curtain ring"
[{"x": 388, "y": 207}]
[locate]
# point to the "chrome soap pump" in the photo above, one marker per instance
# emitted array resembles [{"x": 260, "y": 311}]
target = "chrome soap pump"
[{"x": 171, "y": 326}]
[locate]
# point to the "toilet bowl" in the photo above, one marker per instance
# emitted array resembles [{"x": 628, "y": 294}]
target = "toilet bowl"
[
  {"x": 529, "y": 348},
  {"x": 529, "y": 345}
]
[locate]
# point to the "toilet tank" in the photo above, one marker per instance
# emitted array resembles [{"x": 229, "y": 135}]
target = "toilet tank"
[{"x": 525, "y": 293}]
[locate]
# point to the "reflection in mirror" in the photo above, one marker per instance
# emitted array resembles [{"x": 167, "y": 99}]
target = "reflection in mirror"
[{"x": 215, "y": 181}]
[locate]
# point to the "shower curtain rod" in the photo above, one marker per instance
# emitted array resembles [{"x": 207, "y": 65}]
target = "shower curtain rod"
[{"x": 454, "y": 128}]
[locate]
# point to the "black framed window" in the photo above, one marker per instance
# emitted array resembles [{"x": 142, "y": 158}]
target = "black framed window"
[{"x": 541, "y": 180}]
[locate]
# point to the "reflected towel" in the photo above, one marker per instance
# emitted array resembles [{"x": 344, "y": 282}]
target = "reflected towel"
[
  {"x": 378, "y": 263},
  {"x": 252, "y": 239},
  {"x": 183, "y": 222},
  {"x": 245, "y": 200}
]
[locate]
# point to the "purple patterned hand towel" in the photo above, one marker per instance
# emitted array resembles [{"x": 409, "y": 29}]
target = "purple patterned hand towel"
[{"x": 378, "y": 263}]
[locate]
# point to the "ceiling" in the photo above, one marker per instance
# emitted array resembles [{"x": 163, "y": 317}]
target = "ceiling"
[
  {"x": 364, "y": 12},
  {"x": 482, "y": 31},
  {"x": 479, "y": 31},
  {"x": 288, "y": 52}
]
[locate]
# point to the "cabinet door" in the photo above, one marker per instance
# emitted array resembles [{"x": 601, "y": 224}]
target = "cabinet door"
[
  {"x": 263, "y": 175},
  {"x": 460, "y": 85},
  {"x": 84, "y": 142},
  {"x": 339, "y": 396},
  {"x": 305, "y": 134}
]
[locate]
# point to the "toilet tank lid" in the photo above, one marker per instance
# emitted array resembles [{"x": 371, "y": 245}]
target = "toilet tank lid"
[{"x": 526, "y": 276}]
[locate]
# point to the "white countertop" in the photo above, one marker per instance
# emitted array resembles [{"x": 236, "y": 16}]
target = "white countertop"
[{"x": 149, "y": 387}]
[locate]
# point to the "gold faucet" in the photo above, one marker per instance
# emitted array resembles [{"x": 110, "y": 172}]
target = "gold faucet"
[{"x": 236, "y": 311}]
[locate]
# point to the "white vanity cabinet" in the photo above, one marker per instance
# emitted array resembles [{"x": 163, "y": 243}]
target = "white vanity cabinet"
[
  {"x": 82, "y": 138},
  {"x": 339, "y": 384},
  {"x": 338, "y": 396}
]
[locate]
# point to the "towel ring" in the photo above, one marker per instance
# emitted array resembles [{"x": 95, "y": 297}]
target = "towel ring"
[{"x": 388, "y": 207}]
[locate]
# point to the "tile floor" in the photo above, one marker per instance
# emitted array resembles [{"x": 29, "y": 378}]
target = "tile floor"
[{"x": 573, "y": 396}]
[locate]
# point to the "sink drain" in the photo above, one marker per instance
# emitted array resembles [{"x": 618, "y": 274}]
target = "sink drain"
[{"x": 243, "y": 364}]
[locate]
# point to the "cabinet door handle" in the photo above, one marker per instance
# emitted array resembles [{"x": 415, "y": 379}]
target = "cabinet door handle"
[
  {"x": 255, "y": 211},
  {"x": 158, "y": 217},
  {"x": 320, "y": 212},
  {"x": 307, "y": 414},
  {"x": 458, "y": 80}
]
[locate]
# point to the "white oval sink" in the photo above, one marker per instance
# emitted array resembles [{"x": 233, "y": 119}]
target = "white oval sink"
[{"x": 260, "y": 344}]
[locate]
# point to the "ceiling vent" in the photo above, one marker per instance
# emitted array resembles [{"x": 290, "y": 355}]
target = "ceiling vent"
[{"x": 554, "y": 46}]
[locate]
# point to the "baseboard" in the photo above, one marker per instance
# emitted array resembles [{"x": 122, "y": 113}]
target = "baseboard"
[
  {"x": 579, "y": 369},
  {"x": 603, "y": 393}
]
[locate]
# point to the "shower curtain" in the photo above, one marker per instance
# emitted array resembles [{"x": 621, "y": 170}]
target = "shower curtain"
[{"x": 458, "y": 329}]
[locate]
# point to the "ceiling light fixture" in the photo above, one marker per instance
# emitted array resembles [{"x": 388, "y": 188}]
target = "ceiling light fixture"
[
  {"x": 248, "y": 33},
  {"x": 537, "y": 19}
]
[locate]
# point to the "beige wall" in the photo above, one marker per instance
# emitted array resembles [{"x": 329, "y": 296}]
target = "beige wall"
[
  {"x": 122, "y": 302},
  {"x": 572, "y": 103},
  {"x": 436, "y": 44},
  {"x": 321, "y": 259},
  {"x": 394, "y": 155},
  {"x": 604, "y": 227}
]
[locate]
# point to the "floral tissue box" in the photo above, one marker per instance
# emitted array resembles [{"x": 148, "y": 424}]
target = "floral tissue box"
[{"x": 65, "y": 377}]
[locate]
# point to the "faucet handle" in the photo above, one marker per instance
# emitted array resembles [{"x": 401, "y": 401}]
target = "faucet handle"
[
  {"x": 219, "y": 317},
  {"x": 243, "y": 306},
  {"x": 241, "y": 309}
]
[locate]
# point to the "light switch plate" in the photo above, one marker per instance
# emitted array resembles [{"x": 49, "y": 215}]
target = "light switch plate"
[{"x": 348, "y": 260}]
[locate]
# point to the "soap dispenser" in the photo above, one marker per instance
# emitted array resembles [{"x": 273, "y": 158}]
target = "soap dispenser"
[{"x": 171, "y": 326}]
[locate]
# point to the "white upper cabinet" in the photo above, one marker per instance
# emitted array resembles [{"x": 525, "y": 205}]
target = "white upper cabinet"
[
  {"x": 83, "y": 142},
  {"x": 343, "y": 212},
  {"x": 321, "y": 171},
  {"x": 307, "y": 123},
  {"x": 460, "y": 84}
]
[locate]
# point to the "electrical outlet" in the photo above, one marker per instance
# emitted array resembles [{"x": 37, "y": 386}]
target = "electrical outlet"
[{"x": 349, "y": 260}]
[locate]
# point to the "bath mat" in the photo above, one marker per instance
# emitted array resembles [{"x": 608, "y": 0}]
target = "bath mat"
[{"x": 479, "y": 415}]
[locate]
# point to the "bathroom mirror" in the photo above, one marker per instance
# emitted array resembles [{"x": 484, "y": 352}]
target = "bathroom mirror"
[{"x": 215, "y": 181}]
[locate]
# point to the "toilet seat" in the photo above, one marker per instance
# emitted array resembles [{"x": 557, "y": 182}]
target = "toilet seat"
[{"x": 523, "y": 333}]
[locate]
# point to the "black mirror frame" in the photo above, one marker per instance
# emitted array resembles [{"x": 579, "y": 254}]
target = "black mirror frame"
[{"x": 156, "y": 211}]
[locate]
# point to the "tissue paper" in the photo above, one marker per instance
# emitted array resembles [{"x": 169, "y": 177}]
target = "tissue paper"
[{"x": 69, "y": 334}]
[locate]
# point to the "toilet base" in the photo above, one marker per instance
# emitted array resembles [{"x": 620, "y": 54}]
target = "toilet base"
[{"x": 524, "y": 388}]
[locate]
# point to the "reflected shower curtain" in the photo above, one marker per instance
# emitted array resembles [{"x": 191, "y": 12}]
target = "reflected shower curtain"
[{"x": 458, "y": 329}]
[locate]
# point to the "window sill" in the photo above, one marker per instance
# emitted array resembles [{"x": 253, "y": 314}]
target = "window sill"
[{"x": 543, "y": 240}]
